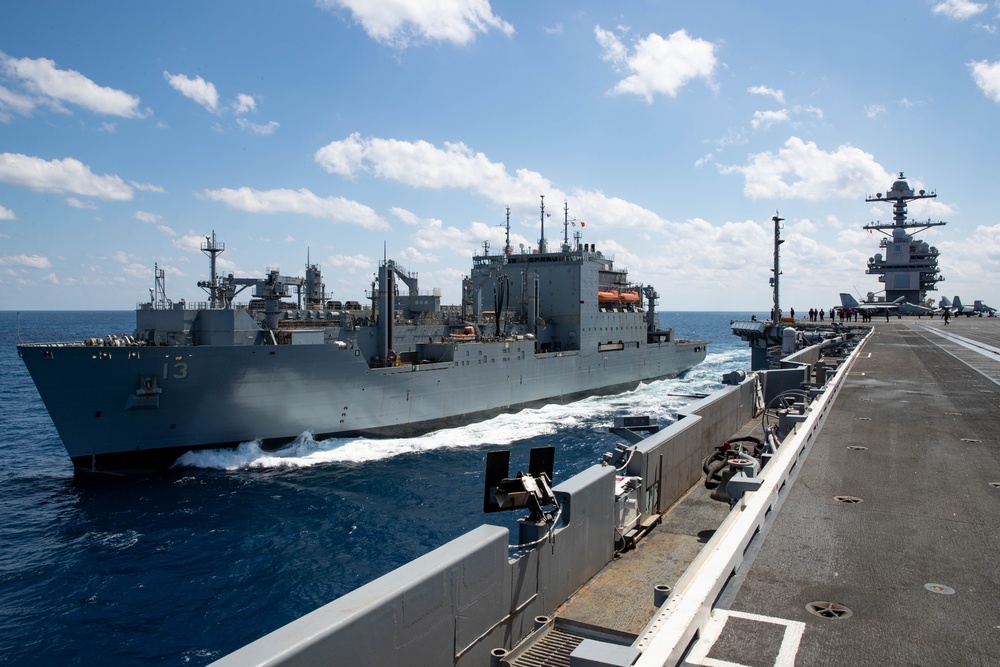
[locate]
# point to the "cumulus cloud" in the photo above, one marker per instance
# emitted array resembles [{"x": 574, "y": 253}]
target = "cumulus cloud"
[
  {"x": 28, "y": 261},
  {"x": 352, "y": 263},
  {"x": 66, "y": 176},
  {"x": 454, "y": 165},
  {"x": 244, "y": 103},
  {"x": 7, "y": 214},
  {"x": 336, "y": 209},
  {"x": 424, "y": 165},
  {"x": 149, "y": 218},
  {"x": 801, "y": 170},
  {"x": 658, "y": 65},
  {"x": 16, "y": 102},
  {"x": 778, "y": 95},
  {"x": 987, "y": 77},
  {"x": 765, "y": 119},
  {"x": 78, "y": 203},
  {"x": 403, "y": 23},
  {"x": 42, "y": 82},
  {"x": 959, "y": 9},
  {"x": 198, "y": 89}
]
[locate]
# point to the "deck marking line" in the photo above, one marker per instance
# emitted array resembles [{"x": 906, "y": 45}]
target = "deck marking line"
[
  {"x": 967, "y": 343},
  {"x": 713, "y": 630},
  {"x": 959, "y": 340}
]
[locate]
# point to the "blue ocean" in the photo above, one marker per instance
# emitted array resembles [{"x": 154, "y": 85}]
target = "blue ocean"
[{"x": 184, "y": 568}]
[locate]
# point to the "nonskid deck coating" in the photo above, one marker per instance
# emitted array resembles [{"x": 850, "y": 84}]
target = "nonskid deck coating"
[{"x": 927, "y": 410}]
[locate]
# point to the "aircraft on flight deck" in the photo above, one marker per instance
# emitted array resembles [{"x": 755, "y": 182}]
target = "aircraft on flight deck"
[
  {"x": 900, "y": 306},
  {"x": 981, "y": 308},
  {"x": 958, "y": 308}
]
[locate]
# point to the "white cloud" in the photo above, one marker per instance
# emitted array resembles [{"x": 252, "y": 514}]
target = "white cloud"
[
  {"x": 29, "y": 261},
  {"x": 658, "y": 65},
  {"x": 53, "y": 86},
  {"x": 136, "y": 270},
  {"x": 455, "y": 165},
  {"x": 421, "y": 164},
  {"x": 815, "y": 174},
  {"x": 190, "y": 242},
  {"x": 263, "y": 130},
  {"x": 62, "y": 176},
  {"x": 874, "y": 110},
  {"x": 77, "y": 203},
  {"x": 345, "y": 157},
  {"x": 987, "y": 77},
  {"x": 14, "y": 101},
  {"x": 122, "y": 257},
  {"x": 244, "y": 103},
  {"x": 145, "y": 216},
  {"x": 959, "y": 9},
  {"x": 816, "y": 111},
  {"x": 766, "y": 119},
  {"x": 201, "y": 91},
  {"x": 402, "y": 23},
  {"x": 146, "y": 187},
  {"x": 778, "y": 95},
  {"x": 7, "y": 214},
  {"x": 301, "y": 201},
  {"x": 352, "y": 264}
]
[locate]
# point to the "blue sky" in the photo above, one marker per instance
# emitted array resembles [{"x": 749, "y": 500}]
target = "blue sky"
[{"x": 337, "y": 128}]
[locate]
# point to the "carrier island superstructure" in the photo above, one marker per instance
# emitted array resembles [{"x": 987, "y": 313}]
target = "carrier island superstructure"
[
  {"x": 909, "y": 267},
  {"x": 533, "y": 327}
]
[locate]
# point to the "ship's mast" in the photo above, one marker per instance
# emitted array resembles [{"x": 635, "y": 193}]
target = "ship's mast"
[
  {"x": 776, "y": 312},
  {"x": 541, "y": 241},
  {"x": 506, "y": 246},
  {"x": 565, "y": 226},
  {"x": 211, "y": 248},
  {"x": 159, "y": 288}
]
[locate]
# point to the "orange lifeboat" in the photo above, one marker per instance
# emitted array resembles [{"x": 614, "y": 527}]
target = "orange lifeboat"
[
  {"x": 630, "y": 297},
  {"x": 607, "y": 297},
  {"x": 469, "y": 333}
]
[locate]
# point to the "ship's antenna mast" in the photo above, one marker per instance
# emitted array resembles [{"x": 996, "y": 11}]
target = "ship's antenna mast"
[
  {"x": 541, "y": 242},
  {"x": 506, "y": 247},
  {"x": 211, "y": 248},
  {"x": 159, "y": 288},
  {"x": 565, "y": 225},
  {"x": 776, "y": 313}
]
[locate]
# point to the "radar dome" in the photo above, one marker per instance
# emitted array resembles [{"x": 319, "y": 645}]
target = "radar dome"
[{"x": 901, "y": 188}]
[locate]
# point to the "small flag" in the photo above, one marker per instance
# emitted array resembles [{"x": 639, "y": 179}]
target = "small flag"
[{"x": 583, "y": 224}]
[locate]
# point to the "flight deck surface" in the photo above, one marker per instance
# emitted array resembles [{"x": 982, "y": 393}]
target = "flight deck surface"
[{"x": 890, "y": 532}]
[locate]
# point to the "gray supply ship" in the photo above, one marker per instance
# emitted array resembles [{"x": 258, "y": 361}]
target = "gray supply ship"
[{"x": 533, "y": 327}]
